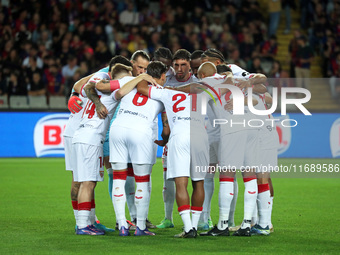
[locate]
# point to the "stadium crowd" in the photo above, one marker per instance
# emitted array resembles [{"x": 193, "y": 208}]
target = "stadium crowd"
[{"x": 47, "y": 45}]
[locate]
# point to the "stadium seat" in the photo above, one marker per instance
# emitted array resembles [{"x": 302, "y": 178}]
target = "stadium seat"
[
  {"x": 3, "y": 102},
  {"x": 18, "y": 102},
  {"x": 37, "y": 102},
  {"x": 58, "y": 102}
]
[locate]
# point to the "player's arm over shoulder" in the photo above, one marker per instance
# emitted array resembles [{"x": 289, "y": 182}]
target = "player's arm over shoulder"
[
  {"x": 132, "y": 84},
  {"x": 258, "y": 78},
  {"x": 80, "y": 83},
  {"x": 193, "y": 88},
  {"x": 93, "y": 96}
]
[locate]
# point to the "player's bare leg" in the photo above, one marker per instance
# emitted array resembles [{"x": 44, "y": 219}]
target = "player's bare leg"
[
  {"x": 197, "y": 199},
  {"x": 119, "y": 197},
  {"x": 74, "y": 197},
  {"x": 85, "y": 204},
  {"x": 183, "y": 203},
  {"x": 94, "y": 220}
]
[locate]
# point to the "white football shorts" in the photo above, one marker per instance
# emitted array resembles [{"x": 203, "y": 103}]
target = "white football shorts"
[
  {"x": 130, "y": 146},
  {"x": 199, "y": 163},
  {"x": 239, "y": 149},
  {"x": 89, "y": 163},
  {"x": 183, "y": 162}
]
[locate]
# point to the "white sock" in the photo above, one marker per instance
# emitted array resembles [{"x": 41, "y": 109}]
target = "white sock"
[
  {"x": 209, "y": 187},
  {"x": 271, "y": 211},
  {"x": 254, "y": 218},
  {"x": 231, "y": 220},
  {"x": 195, "y": 215},
  {"x": 184, "y": 212},
  {"x": 169, "y": 194},
  {"x": 225, "y": 196},
  {"x": 119, "y": 199},
  {"x": 75, "y": 212},
  {"x": 83, "y": 218},
  {"x": 75, "y": 209},
  {"x": 130, "y": 196},
  {"x": 92, "y": 216},
  {"x": 150, "y": 189},
  {"x": 250, "y": 196},
  {"x": 142, "y": 201},
  {"x": 263, "y": 204}
]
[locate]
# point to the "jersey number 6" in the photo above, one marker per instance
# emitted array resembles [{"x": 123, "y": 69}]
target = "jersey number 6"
[{"x": 139, "y": 99}]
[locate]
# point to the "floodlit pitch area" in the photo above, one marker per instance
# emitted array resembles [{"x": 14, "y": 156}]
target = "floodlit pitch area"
[{"x": 37, "y": 216}]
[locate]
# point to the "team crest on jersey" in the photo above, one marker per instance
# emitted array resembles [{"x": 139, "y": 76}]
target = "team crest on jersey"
[
  {"x": 284, "y": 134},
  {"x": 334, "y": 139},
  {"x": 48, "y": 135},
  {"x": 101, "y": 174}
]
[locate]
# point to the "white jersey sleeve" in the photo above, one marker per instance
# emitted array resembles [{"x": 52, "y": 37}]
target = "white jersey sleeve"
[
  {"x": 240, "y": 72},
  {"x": 95, "y": 78},
  {"x": 156, "y": 93}
]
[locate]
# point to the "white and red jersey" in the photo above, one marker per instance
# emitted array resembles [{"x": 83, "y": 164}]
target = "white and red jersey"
[
  {"x": 182, "y": 110},
  {"x": 239, "y": 72},
  {"x": 218, "y": 107},
  {"x": 74, "y": 120},
  {"x": 268, "y": 136},
  {"x": 172, "y": 81},
  {"x": 170, "y": 73},
  {"x": 139, "y": 112},
  {"x": 92, "y": 129}
]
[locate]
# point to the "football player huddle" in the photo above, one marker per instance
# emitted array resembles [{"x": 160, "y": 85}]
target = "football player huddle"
[{"x": 114, "y": 123}]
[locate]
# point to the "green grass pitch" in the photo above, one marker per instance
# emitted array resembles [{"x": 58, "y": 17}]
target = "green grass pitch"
[{"x": 37, "y": 217}]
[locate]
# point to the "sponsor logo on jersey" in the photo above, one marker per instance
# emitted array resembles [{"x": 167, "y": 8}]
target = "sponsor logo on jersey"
[
  {"x": 48, "y": 135},
  {"x": 334, "y": 138},
  {"x": 284, "y": 132}
]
